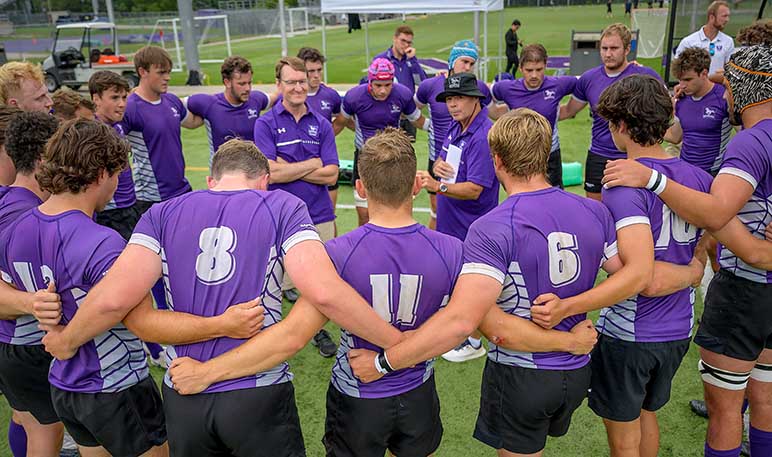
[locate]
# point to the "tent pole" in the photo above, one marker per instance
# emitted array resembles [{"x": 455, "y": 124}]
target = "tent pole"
[
  {"x": 485, "y": 44},
  {"x": 501, "y": 44},
  {"x": 477, "y": 28},
  {"x": 367, "y": 41},
  {"x": 324, "y": 45}
]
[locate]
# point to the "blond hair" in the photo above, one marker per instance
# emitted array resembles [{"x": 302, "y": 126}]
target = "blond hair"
[
  {"x": 11, "y": 76},
  {"x": 619, "y": 30},
  {"x": 387, "y": 165},
  {"x": 66, "y": 103},
  {"x": 522, "y": 140},
  {"x": 239, "y": 156},
  {"x": 713, "y": 7}
]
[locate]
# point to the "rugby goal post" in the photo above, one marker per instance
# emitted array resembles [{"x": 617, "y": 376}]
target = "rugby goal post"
[
  {"x": 204, "y": 29},
  {"x": 298, "y": 20},
  {"x": 651, "y": 25}
]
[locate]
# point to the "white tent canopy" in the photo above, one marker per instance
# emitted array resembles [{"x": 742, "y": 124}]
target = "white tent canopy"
[{"x": 412, "y": 7}]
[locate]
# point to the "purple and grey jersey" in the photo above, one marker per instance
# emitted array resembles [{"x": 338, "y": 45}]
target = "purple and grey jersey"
[
  {"x": 14, "y": 202},
  {"x": 224, "y": 121},
  {"x": 749, "y": 157},
  {"x": 153, "y": 129},
  {"x": 588, "y": 89},
  {"x": 545, "y": 100},
  {"x": 325, "y": 101},
  {"x": 407, "y": 275},
  {"x": 214, "y": 257},
  {"x": 668, "y": 318},
  {"x": 277, "y": 135},
  {"x": 547, "y": 241},
  {"x": 124, "y": 195},
  {"x": 407, "y": 71},
  {"x": 705, "y": 123},
  {"x": 75, "y": 252},
  {"x": 454, "y": 216},
  {"x": 441, "y": 120},
  {"x": 371, "y": 115}
]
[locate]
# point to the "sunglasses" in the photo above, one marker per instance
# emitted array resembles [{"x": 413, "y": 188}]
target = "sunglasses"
[{"x": 712, "y": 49}]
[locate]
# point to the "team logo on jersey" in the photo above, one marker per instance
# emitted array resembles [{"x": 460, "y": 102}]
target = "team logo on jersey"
[
  {"x": 326, "y": 105},
  {"x": 251, "y": 113},
  {"x": 454, "y": 82},
  {"x": 549, "y": 95},
  {"x": 281, "y": 130},
  {"x": 313, "y": 130},
  {"x": 175, "y": 112},
  {"x": 709, "y": 113},
  {"x": 395, "y": 108}
]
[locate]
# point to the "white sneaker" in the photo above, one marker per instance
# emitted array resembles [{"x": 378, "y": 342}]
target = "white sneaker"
[{"x": 465, "y": 351}]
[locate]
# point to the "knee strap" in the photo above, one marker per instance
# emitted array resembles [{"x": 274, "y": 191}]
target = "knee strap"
[
  {"x": 723, "y": 379},
  {"x": 762, "y": 372}
]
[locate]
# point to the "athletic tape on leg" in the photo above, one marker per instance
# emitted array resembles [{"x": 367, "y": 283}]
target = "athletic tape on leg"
[
  {"x": 762, "y": 372},
  {"x": 722, "y": 378}
]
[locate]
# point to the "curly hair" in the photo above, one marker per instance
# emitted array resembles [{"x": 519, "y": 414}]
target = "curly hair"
[
  {"x": 642, "y": 103},
  {"x": 691, "y": 59},
  {"x": 759, "y": 32},
  {"x": 6, "y": 113},
  {"x": 26, "y": 137},
  {"x": 234, "y": 64},
  {"x": 77, "y": 155}
]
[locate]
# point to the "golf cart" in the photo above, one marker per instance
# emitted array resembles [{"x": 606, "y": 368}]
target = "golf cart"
[{"x": 79, "y": 50}]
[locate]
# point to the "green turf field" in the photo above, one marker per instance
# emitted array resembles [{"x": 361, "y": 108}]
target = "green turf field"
[{"x": 458, "y": 384}]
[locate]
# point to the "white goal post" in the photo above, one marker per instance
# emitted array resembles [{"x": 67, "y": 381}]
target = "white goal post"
[
  {"x": 296, "y": 24},
  {"x": 651, "y": 25},
  {"x": 174, "y": 25}
]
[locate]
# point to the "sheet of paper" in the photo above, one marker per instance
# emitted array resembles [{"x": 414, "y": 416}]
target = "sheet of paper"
[{"x": 454, "y": 160}]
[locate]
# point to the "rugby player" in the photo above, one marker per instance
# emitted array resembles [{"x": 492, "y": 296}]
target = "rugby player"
[{"x": 22, "y": 85}]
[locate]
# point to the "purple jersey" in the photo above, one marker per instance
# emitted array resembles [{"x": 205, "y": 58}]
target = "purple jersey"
[
  {"x": 406, "y": 274},
  {"x": 277, "y": 135},
  {"x": 454, "y": 216},
  {"x": 441, "y": 120},
  {"x": 547, "y": 241},
  {"x": 371, "y": 115},
  {"x": 153, "y": 129},
  {"x": 668, "y": 318},
  {"x": 325, "y": 101},
  {"x": 588, "y": 89},
  {"x": 224, "y": 121},
  {"x": 545, "y": 100},
  {"x": 124, "y": 195},
  {"x": 213, "y": 257},
  {"x": 407, "y": 71},
  {"x": 14, "y": 202},
  {"x": 749, "y": 157},
  {"x": 705, "y": 123},
  {"x": 74, "y": 251}
]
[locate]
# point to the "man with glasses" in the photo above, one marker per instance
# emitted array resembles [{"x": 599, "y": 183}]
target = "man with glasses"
[
  {"x": 299, "y": 144},
  {"x": 711, "y": 37}
]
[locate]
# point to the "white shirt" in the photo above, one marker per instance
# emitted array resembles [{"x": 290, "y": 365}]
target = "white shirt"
[{"x": 723, "y": 47}]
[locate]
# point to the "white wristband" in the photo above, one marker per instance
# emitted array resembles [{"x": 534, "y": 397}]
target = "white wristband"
[
  {"x": 661, "y": 187},
  {"x": 378, "y": 367},
  {"x": 652, "y": 179},
  {"x": 427, "y": 124}
]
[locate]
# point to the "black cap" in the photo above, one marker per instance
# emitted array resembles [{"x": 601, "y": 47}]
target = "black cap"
[{"x": 460, "y": 84}]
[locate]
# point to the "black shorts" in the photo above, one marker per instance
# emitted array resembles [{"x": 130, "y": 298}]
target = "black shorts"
[
  {"x": 737, "y": 320},
  {"x": 628, "y": 376},
  {"x": 430, "y": 169},
  {"x": 407, "y": 424},
  {"x": 256, "y": 422},
  {"x": 593, "y": 172},
  {"x": 519, "y": 407},
  {"x": 122, "y": 220},
  {"x": 126, "y": 423},
  {"x": 334, "y": 186},
  {"x": 142, "y": 206},
  {"x": 24, "y": 380},
  {"x": 408, "y": 127},
  {"x": 555, "y": 169},
  {"x": 355, "y": 170}
]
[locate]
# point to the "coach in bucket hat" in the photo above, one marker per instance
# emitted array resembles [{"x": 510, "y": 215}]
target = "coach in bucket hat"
[{"x": 460, "y": 84}]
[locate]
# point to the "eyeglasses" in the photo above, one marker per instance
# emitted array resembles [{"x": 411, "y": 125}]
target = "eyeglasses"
[
  {"x": 298, "y": 82},
  {"x": 712, "y": 49}
]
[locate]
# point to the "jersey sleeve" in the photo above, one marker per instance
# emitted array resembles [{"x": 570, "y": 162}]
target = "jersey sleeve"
[
  {"x": 262, "y": 99},
  {"x": 336, "y": 102},
  {"x": 179, "y": 105},
  {"x": 580, "y": 90},
  {"x": 566, "y": 85},
  {"x": 485, "y": 253},
  {"x": 348, "y": 107},
  {"x": 147, "y": 232},
  {"x": 329, "y": 151},
  {"x": 496, "y": 91},
  {"x": 264, "y": 138},
  {"x": 103, "y": 255},
  {"x": 130, "y": 121},
  {"x": 423, "y": 92},
  {"x": 337, "y": 253},
  {"x": 198, "y": 104},
  {"x": 295, "y": 225},
  {"x": 409, "y": 109},
  {"x": 745, "y": 159},
  {"x": 486, "y": 92},
  {"x": 610, "y": 249},
  {"x": 628, "y": 206},
  {"x": 479, "y": 164}
]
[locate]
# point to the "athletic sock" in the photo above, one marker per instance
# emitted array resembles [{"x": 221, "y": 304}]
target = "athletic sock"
[
  {"x": 710, "y": 452},
  {"x": 159, "y": 294},
  {"x": 761, "y": 442},
  {"x": 475, "y": 342},
  {"x": 17, "y": 439}
]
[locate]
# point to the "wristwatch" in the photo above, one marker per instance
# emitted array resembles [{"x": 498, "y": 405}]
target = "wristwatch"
[{"x": 443, "y": 188}]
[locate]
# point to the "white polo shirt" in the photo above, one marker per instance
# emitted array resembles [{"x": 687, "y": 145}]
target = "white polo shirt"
[{"x": 723, "y": 47}]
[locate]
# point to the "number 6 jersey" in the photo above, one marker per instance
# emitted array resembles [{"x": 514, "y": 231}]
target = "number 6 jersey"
[
  {"x": 221, "y": 248},
  {"x": 546, "y": 241}
]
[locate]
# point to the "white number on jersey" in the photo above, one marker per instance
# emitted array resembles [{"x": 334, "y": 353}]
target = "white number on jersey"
[
  {"x": 676, "y": 228},
  {"x": 215, "y": 264},
  {"x": 565, "y": 264},
  {"x": 409, "y": 294}
]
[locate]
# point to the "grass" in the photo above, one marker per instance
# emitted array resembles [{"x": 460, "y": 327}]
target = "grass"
[{"x": 458, "y": 384}]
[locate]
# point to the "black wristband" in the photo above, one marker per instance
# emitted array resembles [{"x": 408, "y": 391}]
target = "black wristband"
[{"x": 384, "y": 362}]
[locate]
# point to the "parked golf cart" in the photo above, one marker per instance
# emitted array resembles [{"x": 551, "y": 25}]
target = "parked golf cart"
[{"x": 79, "y": 50}]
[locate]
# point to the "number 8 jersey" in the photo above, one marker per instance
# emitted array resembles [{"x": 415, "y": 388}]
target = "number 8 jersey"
[
  {"x": 221, "y": 248},
  {"x": 546, "y": 241},
  {"x": 668, "y": 318}
]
